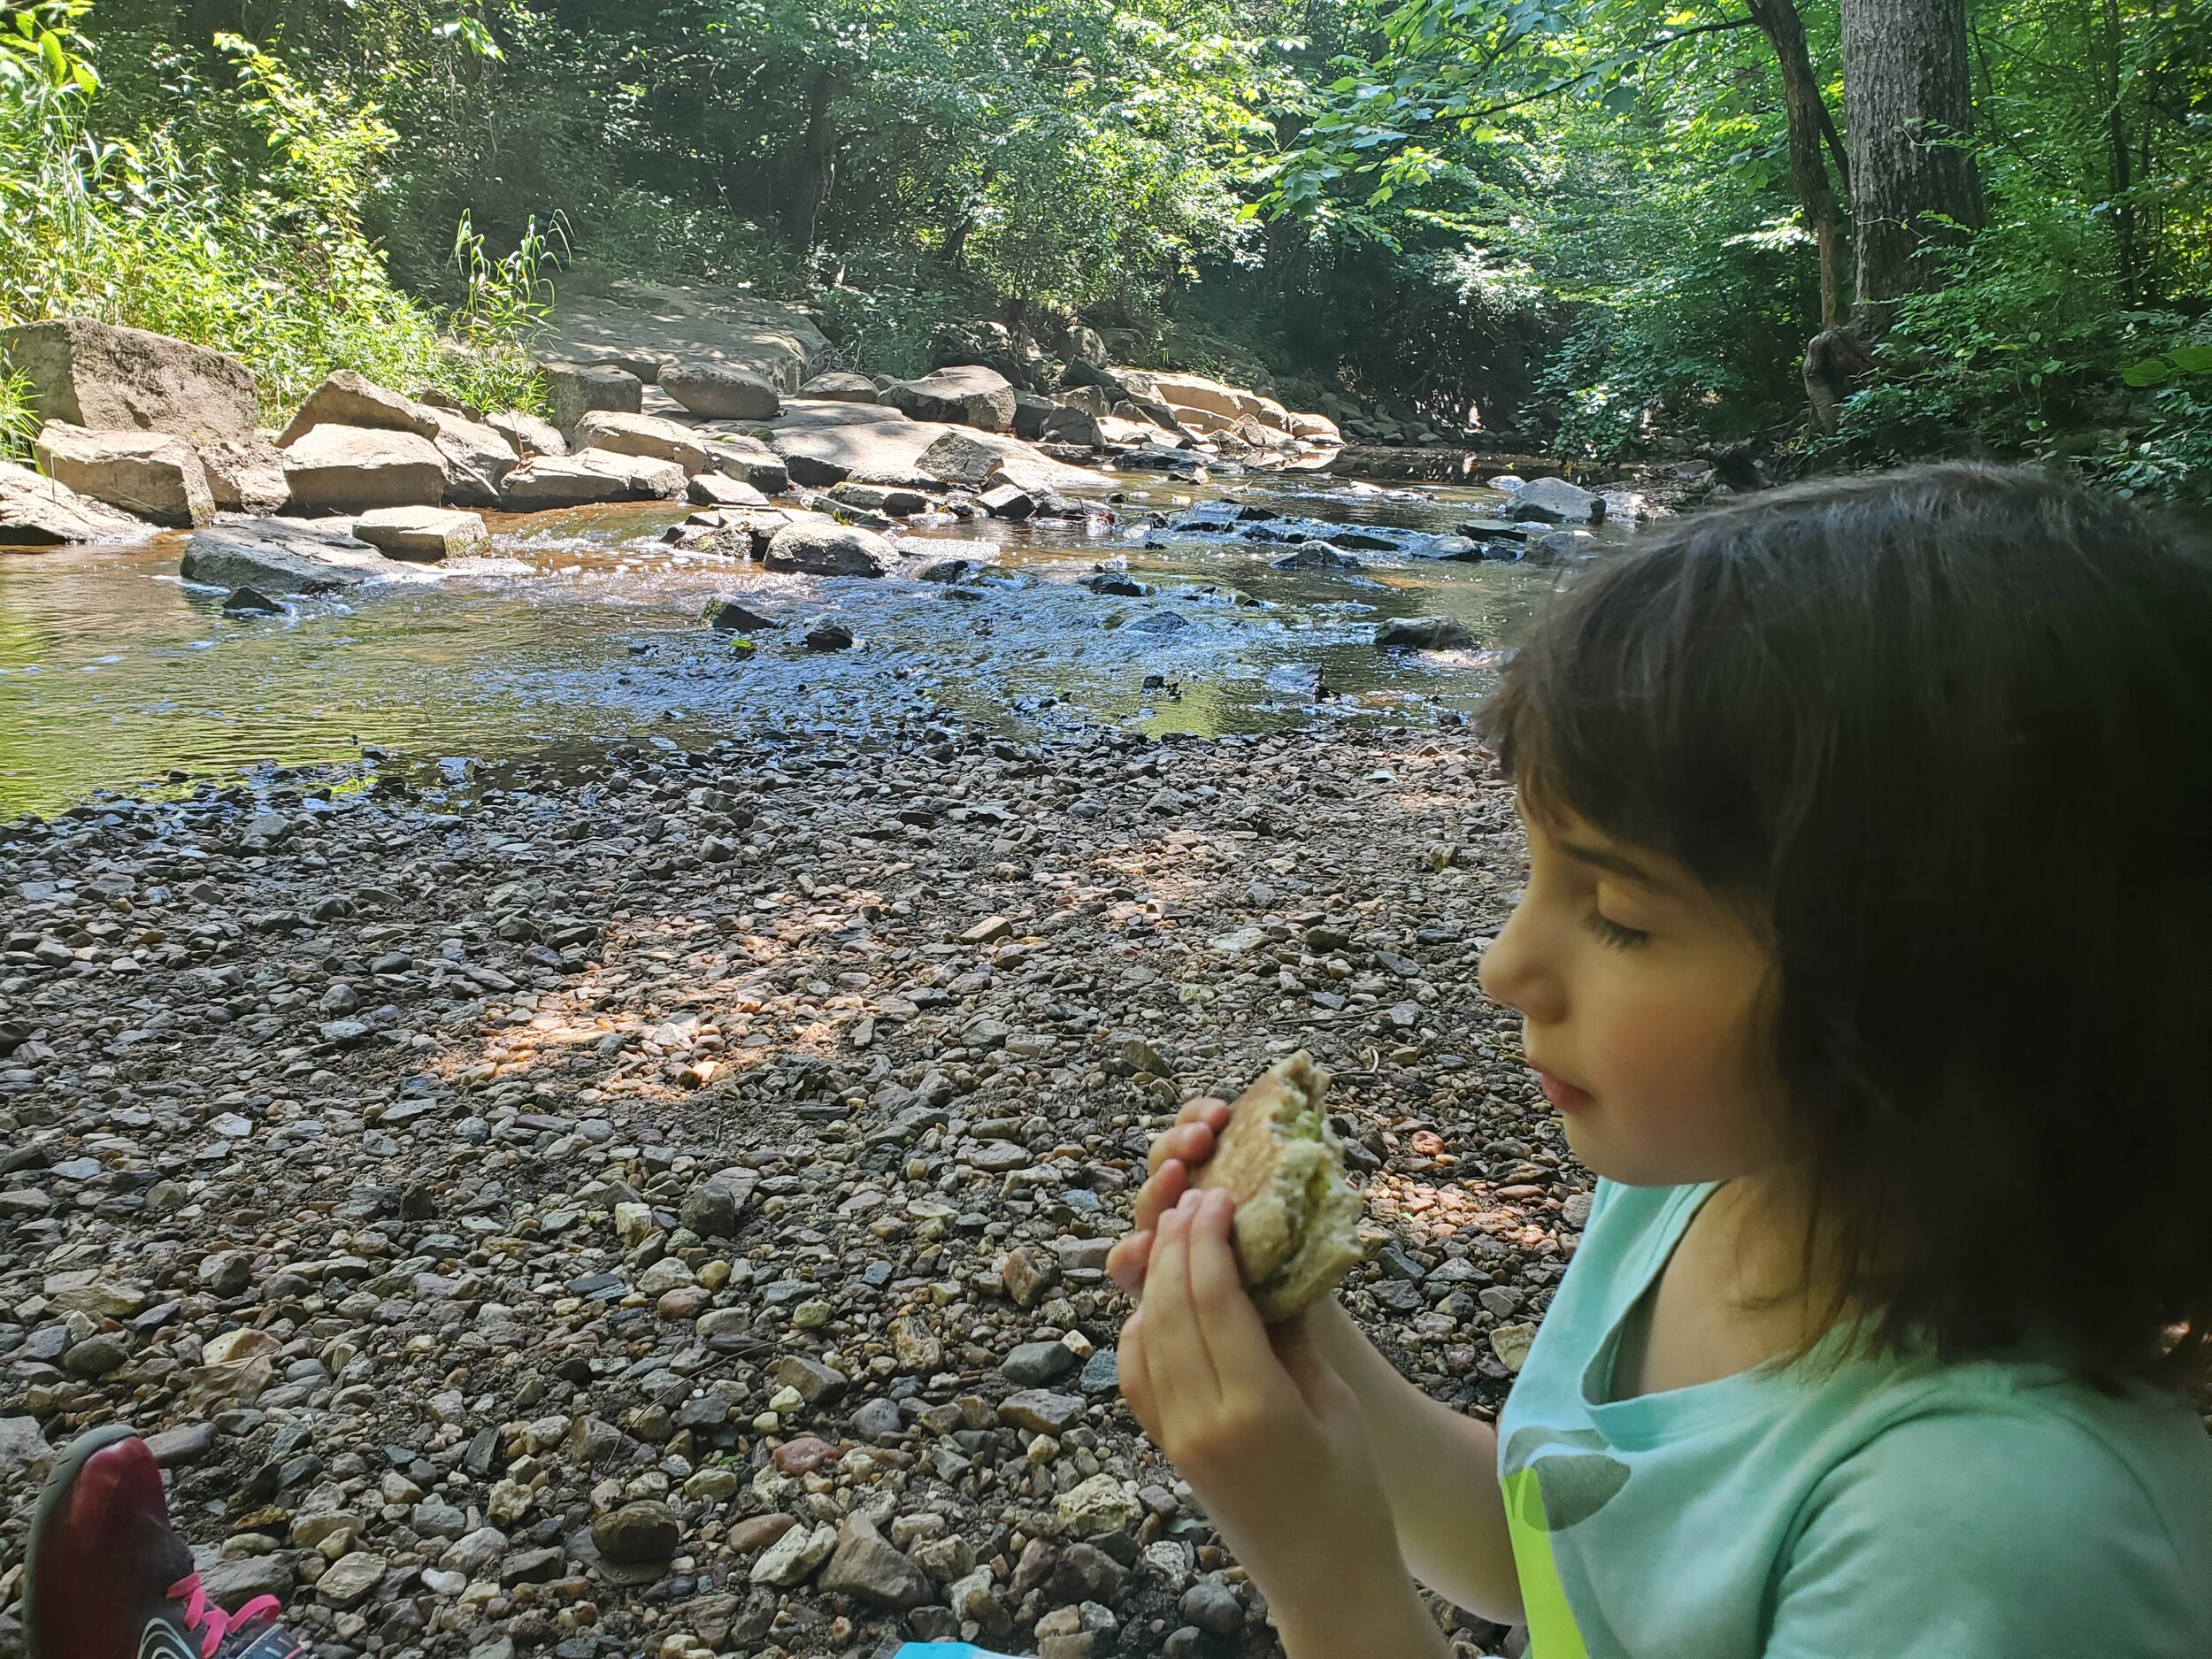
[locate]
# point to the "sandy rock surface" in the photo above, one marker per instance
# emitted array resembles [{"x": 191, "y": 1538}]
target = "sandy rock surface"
[{"x": 663, "y": 1209}]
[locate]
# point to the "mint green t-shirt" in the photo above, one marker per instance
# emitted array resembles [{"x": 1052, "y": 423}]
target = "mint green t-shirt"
[{"x": 1899, "y": 1509}]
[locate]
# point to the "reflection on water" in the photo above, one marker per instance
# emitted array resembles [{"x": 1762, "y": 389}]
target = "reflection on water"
[{"x": 112, "y": 672}]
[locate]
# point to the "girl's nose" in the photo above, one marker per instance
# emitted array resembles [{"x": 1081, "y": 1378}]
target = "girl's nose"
[{"x": 1514, "y": 970}]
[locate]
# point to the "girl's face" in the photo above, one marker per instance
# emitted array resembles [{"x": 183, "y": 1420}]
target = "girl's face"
[{"x": 1641, "y": 998}]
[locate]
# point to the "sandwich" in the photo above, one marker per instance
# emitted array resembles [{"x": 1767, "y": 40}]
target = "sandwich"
[{"x": 1297, "y": 1220}]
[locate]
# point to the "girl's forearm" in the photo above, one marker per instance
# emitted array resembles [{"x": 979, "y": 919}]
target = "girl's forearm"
[{"x": 1440, "y": 1470}]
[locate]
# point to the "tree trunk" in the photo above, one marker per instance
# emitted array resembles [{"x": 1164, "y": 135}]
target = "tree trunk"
[
  {"x": 1908, "y": 107},
  {"x": 2116, "y": 136},
  {"x": 1803, "y": 106},
  {"x": 816, "y": 164}
]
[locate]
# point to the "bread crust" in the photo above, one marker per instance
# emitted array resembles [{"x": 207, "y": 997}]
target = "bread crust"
[{"x": 1297, "y": 1212}]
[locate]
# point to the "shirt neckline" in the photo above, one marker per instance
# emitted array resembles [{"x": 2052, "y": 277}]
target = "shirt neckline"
[{"x": 1649, "y": 1419}]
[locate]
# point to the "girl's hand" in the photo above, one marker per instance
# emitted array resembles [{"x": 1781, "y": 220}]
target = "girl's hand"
[
  {"x": 1269, "y": 1438},
  {"x": 1182, "y": 1150}
]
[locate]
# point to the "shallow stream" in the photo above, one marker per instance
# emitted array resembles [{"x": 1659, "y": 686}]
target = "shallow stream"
[{"x": 586, "y": 625}]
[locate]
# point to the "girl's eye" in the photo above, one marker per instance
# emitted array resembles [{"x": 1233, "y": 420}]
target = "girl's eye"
[{"x": 1613, "y": 932}]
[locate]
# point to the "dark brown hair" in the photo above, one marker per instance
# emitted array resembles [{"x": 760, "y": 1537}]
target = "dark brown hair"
[{"x": 1947, "y": 732}]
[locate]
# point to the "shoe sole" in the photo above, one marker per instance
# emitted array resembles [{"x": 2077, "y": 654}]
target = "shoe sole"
[{"x": 50, "y": 1499}]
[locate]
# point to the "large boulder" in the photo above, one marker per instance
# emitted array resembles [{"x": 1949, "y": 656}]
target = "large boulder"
[
  {"x": 749, "y": 461},
  {"x": 422, "y": 536},
  {"x": 352, "y": 469},
  {"x": 529, "y": 434},
  {"x": 348, "y": 399},
  {"x": 824, "y": 443},
  {"x": 590, "y": 476},
  {"x": 285, "y": 555},
  {"x": 1555, "y": 501},
  {"x": 689, "y": 323},
  {"x": 37, "y": 511},
  {"x": 968, "y": 396},
  {"x": 245, "y": 475},
  {"x": 957, "y": 459},
  {"x": 155, "y": 475},
  {"x": 1316, "y": 429},
  {"x": 478, "y": 458},
  {"x": 575, "y": 389},
  {"x": 840, "y": 386},
  {"x": 824, "y": 548},
  {"x": 720, "y": 391},
  {"x": 120, "y": 380},
  {"x": 642, "y": 435}
]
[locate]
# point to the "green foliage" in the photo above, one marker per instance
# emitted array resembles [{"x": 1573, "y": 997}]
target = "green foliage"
[
  {"x": 262, "y": 255},
  {"x": 18, "y": 421}
]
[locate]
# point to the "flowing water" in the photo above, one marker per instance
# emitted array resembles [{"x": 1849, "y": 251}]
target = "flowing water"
[{"x": 585, "y": 626}]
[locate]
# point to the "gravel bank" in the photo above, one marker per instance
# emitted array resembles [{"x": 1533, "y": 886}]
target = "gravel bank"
[{"x": 660, "y": 1208}]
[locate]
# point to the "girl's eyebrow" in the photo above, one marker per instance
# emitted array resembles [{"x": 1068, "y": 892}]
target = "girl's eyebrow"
[{"x": 1617, "y": 863}]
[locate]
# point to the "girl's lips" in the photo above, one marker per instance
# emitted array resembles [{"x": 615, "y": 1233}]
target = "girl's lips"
[{"x": 1561, "y": 1094}]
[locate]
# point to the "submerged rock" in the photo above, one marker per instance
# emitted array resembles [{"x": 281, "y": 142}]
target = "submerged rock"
[
  {"x": 285, "y": 556},
  {"x": 1425, "y": 633}
]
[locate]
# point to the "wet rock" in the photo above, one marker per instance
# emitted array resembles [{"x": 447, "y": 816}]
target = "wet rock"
[
  {"x": 1425, "y": 633},
  {"x": 1555, "y": 501},
  {"x": 37, "y": 511},
  {"x": 424, "y": 535},
  {"x": 152, "y": 475},
  {"x": 352, "y": 469},
  {"x": 96, "y": 375},
  {"x": 829, "y": 549},
  {"x": 1315, "y": 556},
  {"x": 727, "y": 616},
  {"x": 1008, "y": 501},
  {"x": 252, "y": 601},
  {"x": 720, "y": 391},
  {"x": 829, "y": 636},
  {"x": 286, "y": 558}
]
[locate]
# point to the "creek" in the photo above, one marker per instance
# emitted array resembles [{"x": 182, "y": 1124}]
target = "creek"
[{"x": 585, "y": 626}]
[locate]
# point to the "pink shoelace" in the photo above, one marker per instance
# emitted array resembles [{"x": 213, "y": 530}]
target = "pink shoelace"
[{"x": 212, "y": 1623}]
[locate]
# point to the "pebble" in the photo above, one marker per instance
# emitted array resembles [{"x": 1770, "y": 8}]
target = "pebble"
[{"x": 715, "y": 1153}]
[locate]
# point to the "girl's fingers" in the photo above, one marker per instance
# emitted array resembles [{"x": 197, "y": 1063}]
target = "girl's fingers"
[
  {"x": 1230, "y": 1324},
  {"x": 1125, "y": 1262},
  {"x": 1182, "y": 1369},
  {"x": 1192, "y": 1142},
  {"x": 1136, "y": 1381},
  {"x": 1161, "y": 1193}
]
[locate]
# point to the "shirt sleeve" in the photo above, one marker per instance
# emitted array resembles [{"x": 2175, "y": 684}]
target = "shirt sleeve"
[{"x": 1994, "y": 1532}]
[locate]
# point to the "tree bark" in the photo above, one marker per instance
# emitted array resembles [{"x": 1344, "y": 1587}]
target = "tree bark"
[
  {"x": 817, "y": 163},
  {"x": 1805, "y": 111},
  {"x": 1908, "y": 108}
]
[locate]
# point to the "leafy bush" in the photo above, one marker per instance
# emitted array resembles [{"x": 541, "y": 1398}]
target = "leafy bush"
[{"x": 271, "y": 265}]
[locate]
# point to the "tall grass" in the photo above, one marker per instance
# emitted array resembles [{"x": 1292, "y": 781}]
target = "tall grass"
[{"x": 263, "y": 256}]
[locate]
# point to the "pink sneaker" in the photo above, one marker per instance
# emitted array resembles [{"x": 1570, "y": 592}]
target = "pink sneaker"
[{"x": 106, "y": 1578}]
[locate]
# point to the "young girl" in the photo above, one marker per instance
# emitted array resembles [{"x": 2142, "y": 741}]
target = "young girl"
[{"x": 1864, "y": 952}]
